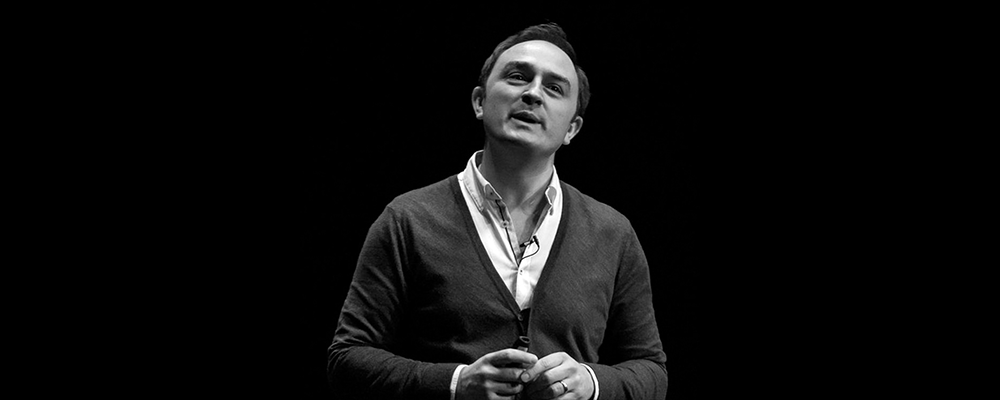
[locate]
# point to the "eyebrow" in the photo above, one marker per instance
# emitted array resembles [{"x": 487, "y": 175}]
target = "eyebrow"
[{"x": 526, "y": 65}]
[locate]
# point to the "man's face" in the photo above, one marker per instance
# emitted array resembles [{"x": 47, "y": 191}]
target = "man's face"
[{"x": 530, "y": 97}]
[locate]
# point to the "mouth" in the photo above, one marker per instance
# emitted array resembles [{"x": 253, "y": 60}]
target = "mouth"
[{"x": 526, "y": 117}]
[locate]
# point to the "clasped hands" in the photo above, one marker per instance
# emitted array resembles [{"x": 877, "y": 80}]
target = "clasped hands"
[{"x": 509, "y": 372}]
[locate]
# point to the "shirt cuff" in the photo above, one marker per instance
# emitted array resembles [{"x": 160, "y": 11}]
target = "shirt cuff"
[
  {"x": 597, "y": 387},
  {"x": 454, "y": 379}
]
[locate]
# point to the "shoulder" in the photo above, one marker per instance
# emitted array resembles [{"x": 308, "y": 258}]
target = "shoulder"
[
  {"x": 438, "y": 198},
  {"x": 431, "y": 193},
  {"x": 581, "y": 208}
]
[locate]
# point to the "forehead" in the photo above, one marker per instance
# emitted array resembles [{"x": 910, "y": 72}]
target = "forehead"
[{"x": 541, "y": 54}]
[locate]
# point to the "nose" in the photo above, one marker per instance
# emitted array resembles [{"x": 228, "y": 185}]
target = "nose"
[{"x": 532, "y": 95}]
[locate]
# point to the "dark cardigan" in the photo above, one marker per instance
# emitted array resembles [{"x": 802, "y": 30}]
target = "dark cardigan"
[{"x": 425, "y": 297}]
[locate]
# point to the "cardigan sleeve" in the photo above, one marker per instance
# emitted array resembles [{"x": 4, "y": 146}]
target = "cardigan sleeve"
[
  {"x": 633, "y": 364},
  {"x": 361, "y": 361}
]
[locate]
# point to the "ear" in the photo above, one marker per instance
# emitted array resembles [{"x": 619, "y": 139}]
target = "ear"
[
  {"x": 477, "y": 101},
  {"x": 574, "y": 128}
]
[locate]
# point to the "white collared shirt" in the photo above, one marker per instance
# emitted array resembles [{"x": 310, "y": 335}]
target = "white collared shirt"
[{"x": 492, "y": 219}]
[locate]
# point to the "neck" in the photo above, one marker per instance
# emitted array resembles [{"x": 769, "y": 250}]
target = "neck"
[{"x": 518, "y": 177}]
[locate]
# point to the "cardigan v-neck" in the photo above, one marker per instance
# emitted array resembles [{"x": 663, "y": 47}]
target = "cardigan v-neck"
[
  {"x": 425, "y": 298},
  {"x": 495, "y": 228},
  {"x": 486, "y": 262}
]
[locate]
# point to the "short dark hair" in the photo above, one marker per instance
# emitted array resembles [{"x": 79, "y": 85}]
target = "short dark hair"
[{"x": 549, "y": 32}]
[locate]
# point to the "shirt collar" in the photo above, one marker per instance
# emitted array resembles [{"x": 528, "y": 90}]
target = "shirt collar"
[{"x": 482, "y": 190}]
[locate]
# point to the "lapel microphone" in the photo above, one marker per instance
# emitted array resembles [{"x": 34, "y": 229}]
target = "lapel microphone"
[{"x": 533, "y": 239}]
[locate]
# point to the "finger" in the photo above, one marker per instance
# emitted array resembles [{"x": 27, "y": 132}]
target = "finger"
[
  {"x": 511, "y": 356},
  {"x": 563, "y": 389},
  {"x": 504, "y": 388},
  {"x": 549, "y": 380},
  {"x": 544, "y": 364},
  {"x": 505, "y": 374}
]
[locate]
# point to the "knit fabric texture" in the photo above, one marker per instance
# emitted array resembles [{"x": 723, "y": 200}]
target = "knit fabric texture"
[{"x": 425, "y": 298}]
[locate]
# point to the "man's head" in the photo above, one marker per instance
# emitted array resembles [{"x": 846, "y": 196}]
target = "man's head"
[
  {"x": 551, "y": 33},
  {"x": 531, "y": 89}
]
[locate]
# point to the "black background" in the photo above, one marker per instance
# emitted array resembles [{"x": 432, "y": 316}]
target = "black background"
[
  {"x": 286, "y": 131},
  {"x": 379, "y": 104},
  {"x": 208, "y": 173},
  {"x": 368, "y": 106}
]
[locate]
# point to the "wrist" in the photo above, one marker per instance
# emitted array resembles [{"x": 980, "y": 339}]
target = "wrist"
[
  {"x": 593, "y": 377},
  {"x": 454, "y": 382}
]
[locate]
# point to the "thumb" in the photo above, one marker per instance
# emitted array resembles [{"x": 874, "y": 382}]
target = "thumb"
[{"x": 506, "y": 357}]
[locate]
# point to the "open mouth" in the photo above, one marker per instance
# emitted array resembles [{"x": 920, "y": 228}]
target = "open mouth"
[{"x": 526, "y": 117}]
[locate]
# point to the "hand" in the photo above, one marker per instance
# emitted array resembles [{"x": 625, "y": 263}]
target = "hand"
[
  {"x": 543, "y": 379},
  {"x": 494, "y": 376}
]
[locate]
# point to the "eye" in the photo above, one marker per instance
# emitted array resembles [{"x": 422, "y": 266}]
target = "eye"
[
  {"x": 517, "y": 76},
  {"x": 556, "y": 88}
]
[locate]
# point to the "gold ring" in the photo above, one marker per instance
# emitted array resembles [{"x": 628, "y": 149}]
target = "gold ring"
[{"x": 565, "y": 389}]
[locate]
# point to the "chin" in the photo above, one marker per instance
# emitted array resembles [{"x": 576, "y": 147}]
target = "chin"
[
  {"x": 510, "y": 137},
  {"x": 516, "y": 134}
]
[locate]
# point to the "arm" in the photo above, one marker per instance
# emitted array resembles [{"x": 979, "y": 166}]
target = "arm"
[
  {"x": 362, "y": 362},
  {"x": 631, "y": 354},
  {"x": 633, "y": 364}
]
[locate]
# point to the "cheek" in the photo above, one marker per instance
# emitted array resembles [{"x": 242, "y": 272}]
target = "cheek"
[
  {"x": 492, "y": 112},
  {"x": 496, "y": 106},
  {"x": 560, "y": 120},
  {"x": 492, "y": 102}
]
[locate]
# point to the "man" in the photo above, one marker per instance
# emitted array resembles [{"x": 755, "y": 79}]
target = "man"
[{"x": 453, "y": 273}]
